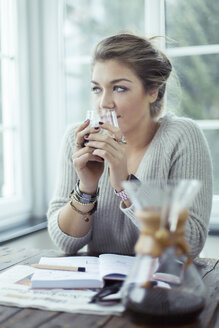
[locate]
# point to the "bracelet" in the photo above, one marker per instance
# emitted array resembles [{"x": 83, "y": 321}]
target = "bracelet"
[
  {"x": 82, "y": 197},
  {"x": 73, "y": 198},
  {"x": 122, "y": 194},
  {"x": 84, "y": 213}
]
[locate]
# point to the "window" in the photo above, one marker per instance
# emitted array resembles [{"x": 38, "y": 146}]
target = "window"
[
  {"x": 21, "y": 199},
  {"x": 31, "y": 112},
  {"x": 194, "y": 51},
  {"x": 45, "y": 53},
  {"x": 85, "y": 23},
  {"x": 8, "y": 122},
  {"x": 12, "y": 180}
]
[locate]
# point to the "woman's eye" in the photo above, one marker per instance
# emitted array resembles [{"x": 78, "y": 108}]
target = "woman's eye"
[
  {"x": 95, "y": 90},
  {"x": 119, "y": 88}
]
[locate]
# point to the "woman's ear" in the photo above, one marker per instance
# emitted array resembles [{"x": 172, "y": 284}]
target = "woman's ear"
[{"x": 153, "y": 93}]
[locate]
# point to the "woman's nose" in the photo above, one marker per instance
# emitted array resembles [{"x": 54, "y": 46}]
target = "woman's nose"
[{"x": 106, "y": 100}]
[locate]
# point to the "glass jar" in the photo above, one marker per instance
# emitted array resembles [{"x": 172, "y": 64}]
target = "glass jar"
[{"x": 163, "y": 285}]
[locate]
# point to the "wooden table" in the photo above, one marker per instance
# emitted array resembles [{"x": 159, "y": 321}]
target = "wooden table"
[{"x": 15, "y": 317}]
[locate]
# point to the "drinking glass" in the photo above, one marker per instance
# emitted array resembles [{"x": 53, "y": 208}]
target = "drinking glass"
[
  {"x": 94, "y": 117},
  {"x": 108, "y": 116},
  {"x": 105, "y": 115}
]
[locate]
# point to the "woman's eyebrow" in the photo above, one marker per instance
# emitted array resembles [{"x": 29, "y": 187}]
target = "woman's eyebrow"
[
  {"x": 120, "y": 80},
  {"x": 114, "y": 81}
]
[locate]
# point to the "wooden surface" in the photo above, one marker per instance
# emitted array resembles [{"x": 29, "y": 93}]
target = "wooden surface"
[{"x": 14, "y": 317}]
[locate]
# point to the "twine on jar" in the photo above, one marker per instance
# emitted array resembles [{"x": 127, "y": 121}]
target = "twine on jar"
[{"x": 153, "y": 239}]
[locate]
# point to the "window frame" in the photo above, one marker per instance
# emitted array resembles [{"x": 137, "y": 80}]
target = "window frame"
[
  {"x": 39, "y": 77},
  {"x": 17, "y": 208}
]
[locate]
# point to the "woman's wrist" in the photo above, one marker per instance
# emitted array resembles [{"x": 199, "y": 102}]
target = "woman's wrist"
[
  {"x": 83, "y": 204},
  {"x": 83, "y": 197},
  {"x": 86, "y": 189},
  {"x": 120, "y": 192}
]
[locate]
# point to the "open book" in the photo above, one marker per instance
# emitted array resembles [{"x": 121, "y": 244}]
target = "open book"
[{"x": 98, "y": 269}]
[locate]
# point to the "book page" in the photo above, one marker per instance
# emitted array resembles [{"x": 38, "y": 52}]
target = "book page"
[
  {"x": 44, "y": 278},
  {"x": 117, "y": 266}
]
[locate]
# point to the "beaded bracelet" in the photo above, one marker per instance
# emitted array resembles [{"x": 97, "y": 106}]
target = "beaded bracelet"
[
  {"x": 73, "y": 198},
  {"x": 84, "y": 213}
]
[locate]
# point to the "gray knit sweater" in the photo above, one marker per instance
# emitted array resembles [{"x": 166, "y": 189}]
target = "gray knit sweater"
[{"x": 178, "y": 150}]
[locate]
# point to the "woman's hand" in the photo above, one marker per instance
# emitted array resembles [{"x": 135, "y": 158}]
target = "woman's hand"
[
  {"x": 109, "y": 146},
  {"x": 89, "y": 166}
]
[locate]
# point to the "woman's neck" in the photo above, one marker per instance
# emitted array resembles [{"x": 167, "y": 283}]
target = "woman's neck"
[
  {"x": 138, "y": 143},
  {"x": 141, "y": 138}
]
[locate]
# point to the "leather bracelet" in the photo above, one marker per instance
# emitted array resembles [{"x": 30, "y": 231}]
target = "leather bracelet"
[
  {"x": 83, "y": 197},
  {"x": 84, "y": 213}
]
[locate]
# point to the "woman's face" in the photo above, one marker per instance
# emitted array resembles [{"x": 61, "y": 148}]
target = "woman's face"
[{"x": 115, "y": 86}]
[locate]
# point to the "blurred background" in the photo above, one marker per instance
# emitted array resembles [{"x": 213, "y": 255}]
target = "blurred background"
[{"x": 45, "y": 54}]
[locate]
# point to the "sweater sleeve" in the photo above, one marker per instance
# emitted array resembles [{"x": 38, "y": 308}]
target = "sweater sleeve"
[
  {"x": 191, "y": 160},
  {"x": 65, "y": 183},
  {"x": 129, "y": 212}
]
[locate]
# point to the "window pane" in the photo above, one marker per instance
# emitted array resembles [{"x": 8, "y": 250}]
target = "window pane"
[
  {"x": 9, "y": 147},
  {"x": 7, "y": 27},
  {"x": 213, "y": 141},
  {"x": 8, "y": 163},
  {"x": 78, "y": 92},
  {"x": 0, "y": 94},
  {"x": 1, "y": 164},
  {"x": 8, "y": 90},
  {"x": 192, "y": 22},
  {"x": 87, "y": 21},
  {"x": 199, "y": 80}
]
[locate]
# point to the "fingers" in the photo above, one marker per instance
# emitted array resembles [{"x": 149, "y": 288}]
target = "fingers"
[
  {"x": 94, "y": 146},
  {"x": 102, "y": 141},
  {"x": 82, "y": 131},
  {"x": 84, "y": 155},
  {"x": 79, "y": 134},
  {"x": 106, "y": 147},
  {"x": 81, "y": 152},
  {"x": 80, "y": 162},
  {"x": 112, "y": 130}
]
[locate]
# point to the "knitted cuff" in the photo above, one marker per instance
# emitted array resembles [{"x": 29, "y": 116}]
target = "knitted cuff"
[{"x": 129, "y": 212}]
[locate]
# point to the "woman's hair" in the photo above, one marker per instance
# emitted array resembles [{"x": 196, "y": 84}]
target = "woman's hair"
[{"x": 143, "y": 58}]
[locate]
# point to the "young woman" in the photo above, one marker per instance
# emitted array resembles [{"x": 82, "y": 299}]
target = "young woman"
[{"x": 129, "y": 75}]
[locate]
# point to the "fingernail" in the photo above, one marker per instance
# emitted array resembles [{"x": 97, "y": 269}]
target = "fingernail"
[
  {"x": 101, "y": 123},
  {"x": 96, "y": 127},
  {"x": 86, "y": 120},
  {"x": 86, "y": 135}
]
